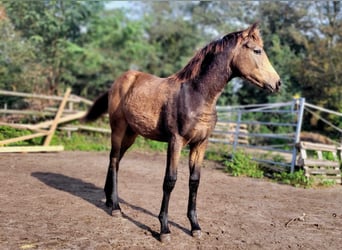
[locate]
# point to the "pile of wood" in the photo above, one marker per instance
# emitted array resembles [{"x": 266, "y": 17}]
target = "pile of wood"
[{"x": 229, "y": 132}]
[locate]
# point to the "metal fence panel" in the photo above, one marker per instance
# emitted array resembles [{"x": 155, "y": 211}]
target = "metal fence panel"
[{"x": 270, "y": 131}]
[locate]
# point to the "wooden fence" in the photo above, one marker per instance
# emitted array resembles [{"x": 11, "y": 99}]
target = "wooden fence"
[
  {"x": 320, "y": 161},
  {"x": 44, "y": 129}
]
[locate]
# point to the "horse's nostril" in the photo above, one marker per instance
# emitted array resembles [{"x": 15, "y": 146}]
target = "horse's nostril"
[{"x": 278, "y": 85}]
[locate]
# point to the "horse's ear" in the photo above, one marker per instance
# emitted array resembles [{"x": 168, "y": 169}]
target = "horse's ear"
[
  {"x": 253, "y": 28},
  {"x": 253, "y": 32}
]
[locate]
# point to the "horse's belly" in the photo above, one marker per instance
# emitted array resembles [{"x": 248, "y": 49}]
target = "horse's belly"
[
  {"x": 145, "y": 123},
  {"x": 145, "y": 116}
]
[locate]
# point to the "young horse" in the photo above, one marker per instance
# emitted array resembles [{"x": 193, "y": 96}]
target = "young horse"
[{"x": 179, "y": 110}]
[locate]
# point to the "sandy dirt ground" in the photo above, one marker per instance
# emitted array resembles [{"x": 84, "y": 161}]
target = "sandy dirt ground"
[{"x": 56, "y": 201}]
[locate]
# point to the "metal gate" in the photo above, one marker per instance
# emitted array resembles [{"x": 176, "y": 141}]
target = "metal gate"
[{"x": 268, "y": 132}]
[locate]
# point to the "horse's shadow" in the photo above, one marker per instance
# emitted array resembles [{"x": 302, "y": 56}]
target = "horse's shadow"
[{"x": 94, "y": 195}]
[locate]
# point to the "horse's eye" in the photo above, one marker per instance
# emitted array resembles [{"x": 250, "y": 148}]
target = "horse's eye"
[{"x": 257, "y": 51}]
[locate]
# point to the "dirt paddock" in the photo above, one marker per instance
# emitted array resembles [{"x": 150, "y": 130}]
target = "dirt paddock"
[{"x": 56, "y": 201}]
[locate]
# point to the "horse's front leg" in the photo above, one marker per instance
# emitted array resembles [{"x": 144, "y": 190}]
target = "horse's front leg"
[
  {"x": 195, "y": 161},
  {"x": 173, "y": 154}
]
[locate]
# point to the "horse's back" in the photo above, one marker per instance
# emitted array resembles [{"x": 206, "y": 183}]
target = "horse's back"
[{"x": 140, "y": 99}]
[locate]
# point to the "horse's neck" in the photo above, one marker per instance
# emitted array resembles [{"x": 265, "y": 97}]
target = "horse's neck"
[{"x": 213, "y": 79}]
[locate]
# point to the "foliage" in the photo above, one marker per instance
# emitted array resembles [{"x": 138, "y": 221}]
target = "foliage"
[
  {"x": 173, "y": 38},
  {"x": 326, "y": 183},
  {"x": 8, "y": 132},
  {"x": 242, "y": 165},
  {"x": 297, "y": 178},
  {"x": 16, "y": 60},
  {"x": 51, "y": 26},
  {"x": 112, "y": 45}
]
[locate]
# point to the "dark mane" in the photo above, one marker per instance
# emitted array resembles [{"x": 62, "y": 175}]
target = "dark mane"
[{"x": 193, "y": 68}]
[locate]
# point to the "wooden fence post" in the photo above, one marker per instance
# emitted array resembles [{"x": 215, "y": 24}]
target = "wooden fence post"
[{"x": 57, "y": 117}]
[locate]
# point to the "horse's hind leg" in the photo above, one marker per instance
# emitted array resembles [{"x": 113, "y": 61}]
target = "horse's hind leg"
[
  {"x": 110, "y": 187},
  {"x": 195, "y": 161},
  {"x": 119, "y": 147},
  {"x": 173, "y": 154}
]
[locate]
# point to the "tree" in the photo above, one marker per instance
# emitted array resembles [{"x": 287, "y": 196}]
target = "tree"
[
  {"x": 14, "y": 53},
  {"x": 18, "y": 68},
  {"x": 53, "y": 27},
  {"x": 173, "y": 37},
  {"x": 321, "y": 70},
  {"x": 111, "y": 45}
]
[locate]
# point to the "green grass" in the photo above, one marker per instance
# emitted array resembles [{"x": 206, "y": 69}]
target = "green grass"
[
  {"x": 82, "y": 141},
  {"x": 240, "y": 164},
  {"x": 149, "y": 145},
  {"x": 217, "y": 152},
  {"x": 9, "y": 132},
  {"x": 327, "y": 183},
  {"x": 297, "y": 179}
]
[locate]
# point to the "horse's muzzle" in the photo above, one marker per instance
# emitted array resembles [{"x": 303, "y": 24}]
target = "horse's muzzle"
[
  {"x": 273, "y": 87},
  {"x": 277, "y": 87}
]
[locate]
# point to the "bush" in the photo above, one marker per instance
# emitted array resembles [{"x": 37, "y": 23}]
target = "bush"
[
  {"x": 9, "y": 132},
  {"x": 241, "y": 164},
  {"x": 297, "y": 178}
]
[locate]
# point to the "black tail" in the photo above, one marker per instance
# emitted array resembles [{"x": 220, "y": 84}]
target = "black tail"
[{"x": 99, "y": 107}]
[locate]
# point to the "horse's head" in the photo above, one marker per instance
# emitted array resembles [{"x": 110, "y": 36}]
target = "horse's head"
[{"x": 251, "y": 62}]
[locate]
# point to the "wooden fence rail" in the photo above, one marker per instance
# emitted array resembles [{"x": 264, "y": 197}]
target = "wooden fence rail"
[
  {"x": 71, "y": 98},
  {"x": 320, "y": 161},
  {"x": 43, "y": 129}
]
